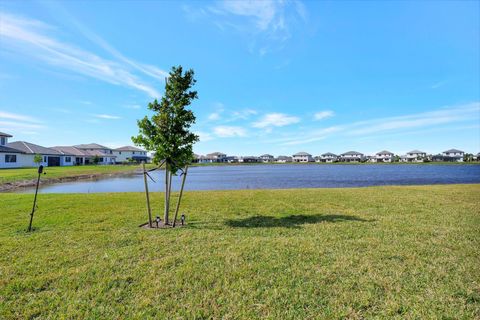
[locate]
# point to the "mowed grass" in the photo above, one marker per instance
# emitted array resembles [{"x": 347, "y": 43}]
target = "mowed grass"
[
  {"x": 379, "y": 252},
  {"x": 23, "y": 174}
]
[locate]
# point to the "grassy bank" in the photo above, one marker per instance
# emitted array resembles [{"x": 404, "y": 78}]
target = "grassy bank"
[
  {"x": 389, "y": 252},
  {"x": 30, "y": 174}
]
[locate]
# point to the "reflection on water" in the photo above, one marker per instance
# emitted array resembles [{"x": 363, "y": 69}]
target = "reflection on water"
[{"x": 279, "y": 177}]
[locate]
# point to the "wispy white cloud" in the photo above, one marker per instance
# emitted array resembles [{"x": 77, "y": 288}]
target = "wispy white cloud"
[
  {"x": 106, "y": 116},
  {"x": 323, "y": 115},
  {"x": 275, "y": 120},
  {"x": 19, "y": 123},
  {"x": 214, "y": 116},
  {"x": 133, "y": 106},
  {"x": 204, "y": 136},
  {"x": 442, "y": 116},
  {"x": 33, "y": 39},
  {"x": 267, "y": 23},
  {"x": 229, "y": 131}
]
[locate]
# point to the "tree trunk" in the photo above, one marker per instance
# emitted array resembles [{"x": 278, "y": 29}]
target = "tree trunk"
[{"x": 167, "y": 195}]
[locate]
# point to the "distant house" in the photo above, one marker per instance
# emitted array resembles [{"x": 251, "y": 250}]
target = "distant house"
[
  {"x": 352, "y": 156},
  {"x": 80, "y": 157},
  {"x": 94, "y": 150},
  {"x": 267, "y": 158},
  {"x": 453, "y": 155},
  {"x": 284, "y": 159},
  {"x": 216, "y": 157},
  {"x": 383, "y": 156},
  {"x": 13, "y": 158},
  {"x": 129, "y": 153},
  {"x": 302, "y": 157},
  {"x": 249, "y": 159},
  {"x": 414, "y": 156},
  {"x": 232, "y": 159},
  {"x": 328, "y": 157},
  {"x": 50, "y": 157}
]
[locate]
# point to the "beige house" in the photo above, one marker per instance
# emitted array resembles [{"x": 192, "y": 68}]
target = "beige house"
[
  {"x": 302, "y": 157},
  {"x": 129, "y": 153},
  {"x": 383, "y": 156},
  {"x": 352, "y": 156}
]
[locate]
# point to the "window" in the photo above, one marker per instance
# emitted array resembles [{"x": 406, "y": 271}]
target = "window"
[
  {"x": 119, "y": 152},
  {"x": 133, "y": 152},
  {"x": 3, "y": 141},
  {"x": 10, "y": 158},
  {"x": 68, "y": 159},
  {"x": 45, "y": 159},
  {"x": 100, "y": 159}
]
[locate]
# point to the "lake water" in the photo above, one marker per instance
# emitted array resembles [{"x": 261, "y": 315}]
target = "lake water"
[{"x": 279, "y": 177}]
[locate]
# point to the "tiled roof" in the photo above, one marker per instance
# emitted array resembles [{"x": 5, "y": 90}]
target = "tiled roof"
[
  {"x": 302, "y": 154},
  {"x": 4, "y": 149},
  {"x": 31, "y": 148},
  {"x": 129, "y": 148},
  {"x": 91, "y": 146},
  {"x": 352, "y": 153},
  {"x": 2, "y": 134}
]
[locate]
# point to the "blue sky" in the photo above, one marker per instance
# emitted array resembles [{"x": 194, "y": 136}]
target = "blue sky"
[{"x": 273, "y": 77}]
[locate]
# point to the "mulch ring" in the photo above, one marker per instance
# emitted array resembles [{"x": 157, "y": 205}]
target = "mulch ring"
[{"x": 161, "y": 225}]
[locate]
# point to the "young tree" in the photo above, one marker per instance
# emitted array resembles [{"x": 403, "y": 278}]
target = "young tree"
[
  {"x": 96, "y": 159},
  {"x": 37, "y": 158},
  {"x": 167, "y": 133}
]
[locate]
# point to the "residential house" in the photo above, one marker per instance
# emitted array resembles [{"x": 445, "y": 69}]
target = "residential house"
[
  {"x": 352, "y": 156},
  {"x": 80, "y": 157},
  {"x": 328, "y": 157},
  {"x": 267, "y": 158},
  {"x": 302, "y": 157},
  {"x": 50, "y": 157},
  {"x": 96, "y": 151},
  {"x": 232, "y": 159},
  {"x": 12, "y": 158},
  {"x": 129, "y": 153},
  {"x": 284, "y": 159},
  {"x": 216, "y": 157},
  {"x": 414, "y": 156},
  {"x": 383, "y": 156},
  {"x": 249, "y": 159},
  {"x": 453, "y": 155}
]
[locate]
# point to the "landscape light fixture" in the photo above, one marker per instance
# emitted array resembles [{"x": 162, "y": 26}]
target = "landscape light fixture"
[
  {"x": 157, "y": 220},
  {"x": 183, "y": 219}
]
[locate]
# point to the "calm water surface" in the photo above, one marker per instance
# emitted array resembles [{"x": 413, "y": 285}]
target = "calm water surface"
[{"x": 280, "y": 177}]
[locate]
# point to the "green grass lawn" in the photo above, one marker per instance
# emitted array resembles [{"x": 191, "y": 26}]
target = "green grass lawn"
[
  {"x": 22, "y": 174},
  {"x": 379, "y": 252}
]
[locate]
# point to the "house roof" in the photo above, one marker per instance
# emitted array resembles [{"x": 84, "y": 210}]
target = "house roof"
[
  {"x": 91, "y": 146},
  {"x": 302, "y": 154},
  {"x": 352, "y": 153},
  {"x": 4, "y": 149},
  {"x": 128, "y": 148},
  {"x": 2, "y": 134},
  {"x": 31, "y": 148},
  {"x": 213, "y": 154},
  {"x": 329, "y": 154},
  {"x": 453, "y": 151},
  {"x": 266, "y": 155},
  {"x": 283, "y": 157},
  {"x": 415, "y": 151},
  {"x": 385, "y": 152},
  {"x": 70, "y": 150}
]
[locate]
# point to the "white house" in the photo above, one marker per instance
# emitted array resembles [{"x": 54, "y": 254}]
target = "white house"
[
  {"x": 453, "y": 155},
  {"x": 414, "y": 156},
  {"x": 383, "y": 156},
  {"x": 302, "y": 157},
  {"x": 216, "y": 157},
  {"x": 50, "y": 157},
  {"x": 284, "y": 159},
  {"x": 249, "y": 159},
  {"x": 94, "y": 150},
  {"x": 129, "y": 153},
  {"x": 328, "y": 157},
  {"x": 267, "y": 158},
  {"x": 352, "y": 156},
  {"x": 10, "y": 157}
]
